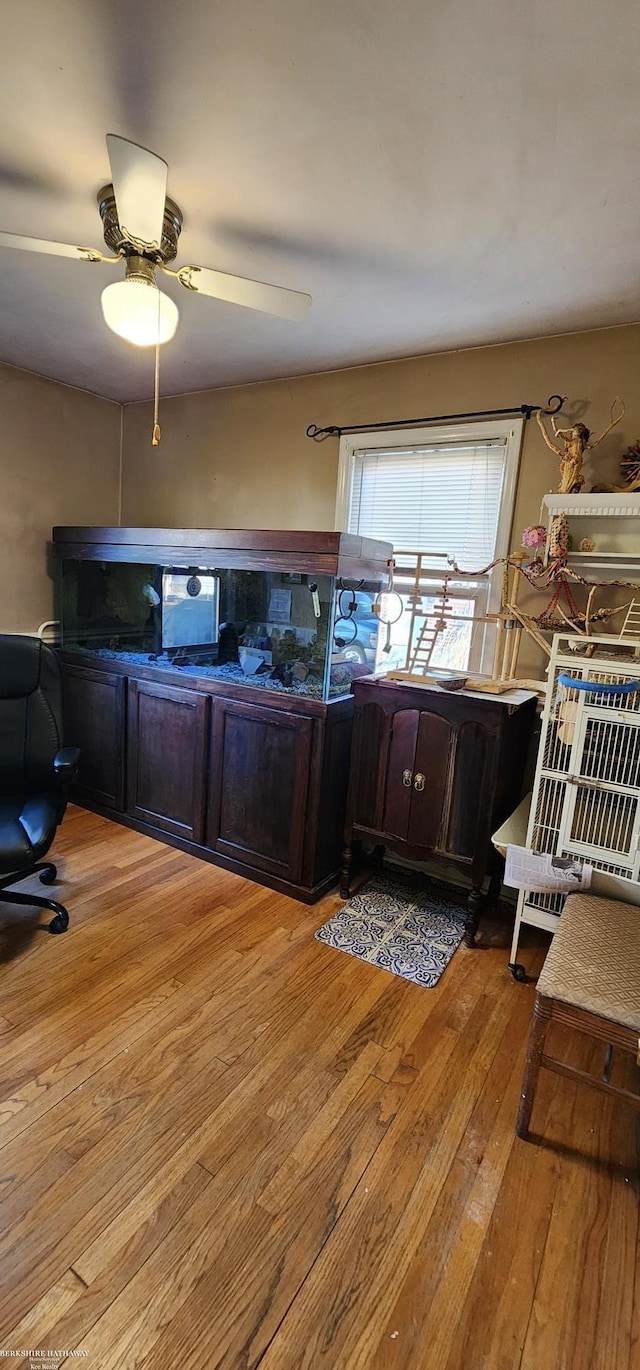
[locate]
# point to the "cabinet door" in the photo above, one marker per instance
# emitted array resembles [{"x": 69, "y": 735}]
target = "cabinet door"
[
  {"x": 259, "y": 784},
  {"x": 367, "y": 791},
  {"x": 167, "y": 757},
  {"x": 417, "y": 777},
  {"x": 472, "y": 793},
  {"x": 94, "y": 722},
  {"x": 431, "y": 780},
  {"x": 399, "y": 786}
]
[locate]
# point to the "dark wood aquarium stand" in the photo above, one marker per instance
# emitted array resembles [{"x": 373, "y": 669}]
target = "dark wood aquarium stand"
[
  {"x": 249, "y": 779},
  {"x": 433, "y": 774}
]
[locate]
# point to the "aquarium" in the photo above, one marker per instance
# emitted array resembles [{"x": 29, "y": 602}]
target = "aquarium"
[{"x": 304, "y": 633}]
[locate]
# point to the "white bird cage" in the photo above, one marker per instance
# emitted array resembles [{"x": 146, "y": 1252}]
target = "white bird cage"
[
  {"x": 586, "y": 794},
  {"x": 631, "y": 625}
]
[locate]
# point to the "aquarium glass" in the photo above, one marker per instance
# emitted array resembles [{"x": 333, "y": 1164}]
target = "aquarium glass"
[{"x": 278, "y": 631}]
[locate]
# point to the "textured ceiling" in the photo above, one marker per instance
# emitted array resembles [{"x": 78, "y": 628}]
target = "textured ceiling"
[{"x": 436, "y": 173}]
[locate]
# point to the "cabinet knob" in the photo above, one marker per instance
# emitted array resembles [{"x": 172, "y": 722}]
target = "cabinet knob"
[
  {"x": 407, "y": 778},
  {"x": 419, "y": 781}
]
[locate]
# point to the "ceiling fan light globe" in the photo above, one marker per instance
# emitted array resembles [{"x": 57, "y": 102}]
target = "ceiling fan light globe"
[{"x": 140, "y": 313}]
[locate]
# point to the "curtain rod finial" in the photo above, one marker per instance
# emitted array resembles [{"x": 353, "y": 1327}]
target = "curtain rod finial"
[{"x": 319, "y": 434}]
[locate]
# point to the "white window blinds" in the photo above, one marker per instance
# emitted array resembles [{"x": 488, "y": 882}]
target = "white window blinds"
[{"x": 441, "y": 498}]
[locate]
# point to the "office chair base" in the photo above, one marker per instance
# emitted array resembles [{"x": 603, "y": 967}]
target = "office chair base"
[{"x": 47, "y": 872}]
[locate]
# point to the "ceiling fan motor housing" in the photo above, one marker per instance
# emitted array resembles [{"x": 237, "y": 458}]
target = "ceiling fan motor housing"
[
  {"x": 120, "y": 244},
  {"x": 140, "y": 269}
]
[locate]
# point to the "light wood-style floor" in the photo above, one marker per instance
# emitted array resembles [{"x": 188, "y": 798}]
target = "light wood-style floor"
[{"x": 224, "y": 1144}]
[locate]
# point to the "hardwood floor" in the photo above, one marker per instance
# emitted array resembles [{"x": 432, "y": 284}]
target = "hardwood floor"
[{"x": 225, "y": 1144}]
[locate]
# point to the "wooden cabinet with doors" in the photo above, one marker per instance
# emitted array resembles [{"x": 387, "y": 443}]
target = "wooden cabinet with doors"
[
  {"x": 231, "y": 745},
  {"x": 433, "y": 774},
  {"x": 94, "y": 711},
  {"x": 167, "y": 757},
  {"x": 258, "y": 786}
]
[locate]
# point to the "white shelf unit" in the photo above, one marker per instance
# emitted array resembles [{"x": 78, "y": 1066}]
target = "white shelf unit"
[
  {"x": 586, "y": 794},
  {"x": 613, "y": 521}
]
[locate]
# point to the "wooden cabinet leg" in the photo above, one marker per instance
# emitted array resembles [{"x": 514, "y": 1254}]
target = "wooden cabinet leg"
[
  {"x": 474, "y": 904},
  {"x": 345, "y": 872},
  {"x": 537, "y": 1034}
]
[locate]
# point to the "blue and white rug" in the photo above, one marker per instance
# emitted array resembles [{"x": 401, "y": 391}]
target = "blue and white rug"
[{"x": 394, "y": 925}]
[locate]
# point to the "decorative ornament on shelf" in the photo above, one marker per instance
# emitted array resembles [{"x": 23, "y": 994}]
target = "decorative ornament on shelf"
[
  {"x": 534, "y": 537},
  {"x": 587, "y": 545},
  {"x": 559, "y": 539},
  {"x": 630, "y": 467},
  {"x": 575, "y": 444}
]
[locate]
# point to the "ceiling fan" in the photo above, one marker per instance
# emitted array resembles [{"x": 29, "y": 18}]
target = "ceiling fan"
[{"x": 141, "y": 225}]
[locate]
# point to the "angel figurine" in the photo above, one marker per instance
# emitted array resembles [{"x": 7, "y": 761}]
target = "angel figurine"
[{"x": 575, "y": 443}]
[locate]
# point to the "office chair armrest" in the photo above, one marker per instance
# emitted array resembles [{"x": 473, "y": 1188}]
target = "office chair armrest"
[{"x": 65, "y": 763}]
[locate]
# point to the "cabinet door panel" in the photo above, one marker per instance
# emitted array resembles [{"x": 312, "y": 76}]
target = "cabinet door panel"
[
  {"x": 432, "y": 761},
  {"x": 259, "y": 782},
  {"x": 402, "y": 750},
  {"x": 167, "y": 758},
  {"x": 469, "y": 802},
  {"x": 94, "y": 722},
  {"x": 367, "y": 765}
]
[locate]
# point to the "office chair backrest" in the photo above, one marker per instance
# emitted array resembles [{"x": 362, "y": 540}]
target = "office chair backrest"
[{"x": 30, "y": 714}]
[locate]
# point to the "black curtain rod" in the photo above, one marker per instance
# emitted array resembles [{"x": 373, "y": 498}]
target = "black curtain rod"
[{"x": 553, "y": 406}]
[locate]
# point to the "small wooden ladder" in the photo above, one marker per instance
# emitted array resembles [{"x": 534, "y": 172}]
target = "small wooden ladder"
[{"x": 435, "y": 621}]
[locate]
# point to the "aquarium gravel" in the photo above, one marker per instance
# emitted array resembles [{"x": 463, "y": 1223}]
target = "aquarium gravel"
[{"x": 311, "y": 688}]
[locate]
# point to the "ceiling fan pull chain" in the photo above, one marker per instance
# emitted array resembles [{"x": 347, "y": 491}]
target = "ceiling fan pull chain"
[{"x": 157, "y": 431}]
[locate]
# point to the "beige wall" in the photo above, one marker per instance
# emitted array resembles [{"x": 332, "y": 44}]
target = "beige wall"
[
  {"x": 239, "y": 457},
  {"x": 59, "y": 463}
]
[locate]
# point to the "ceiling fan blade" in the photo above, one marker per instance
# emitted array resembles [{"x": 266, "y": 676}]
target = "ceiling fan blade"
[
  {"x": 271, "y": 299},
  {"x": 140, "y": 186},
  {"x": 83, "y": 254}
]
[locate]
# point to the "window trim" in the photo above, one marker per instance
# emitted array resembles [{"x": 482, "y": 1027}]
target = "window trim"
[{"x": 486, "y": 431}]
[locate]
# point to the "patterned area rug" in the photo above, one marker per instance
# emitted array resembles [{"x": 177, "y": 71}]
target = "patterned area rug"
[{"x": 408, "y": 931}]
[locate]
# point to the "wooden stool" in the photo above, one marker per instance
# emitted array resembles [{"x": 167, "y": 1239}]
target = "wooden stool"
[{"x": 590, "y": 981}]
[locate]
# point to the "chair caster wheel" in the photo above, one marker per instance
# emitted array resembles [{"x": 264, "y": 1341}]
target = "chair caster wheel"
[
  {"x": 60, "y": 923},
  {"x": 518, "y": 972},
  {"x": 48, "y": 876}
]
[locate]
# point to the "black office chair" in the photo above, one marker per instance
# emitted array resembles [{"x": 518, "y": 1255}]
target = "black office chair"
[{"x": 35, "y": 770}]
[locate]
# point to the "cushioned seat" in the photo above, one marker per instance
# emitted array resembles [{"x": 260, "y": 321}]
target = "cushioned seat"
[
  {"x": 589, "y": 981},
  {"x": 594, "y": 959},
  {"x": 25, "y": 829}
]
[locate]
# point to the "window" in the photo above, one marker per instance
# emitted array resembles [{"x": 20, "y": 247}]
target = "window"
[{"x": 444, "y": 491}]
